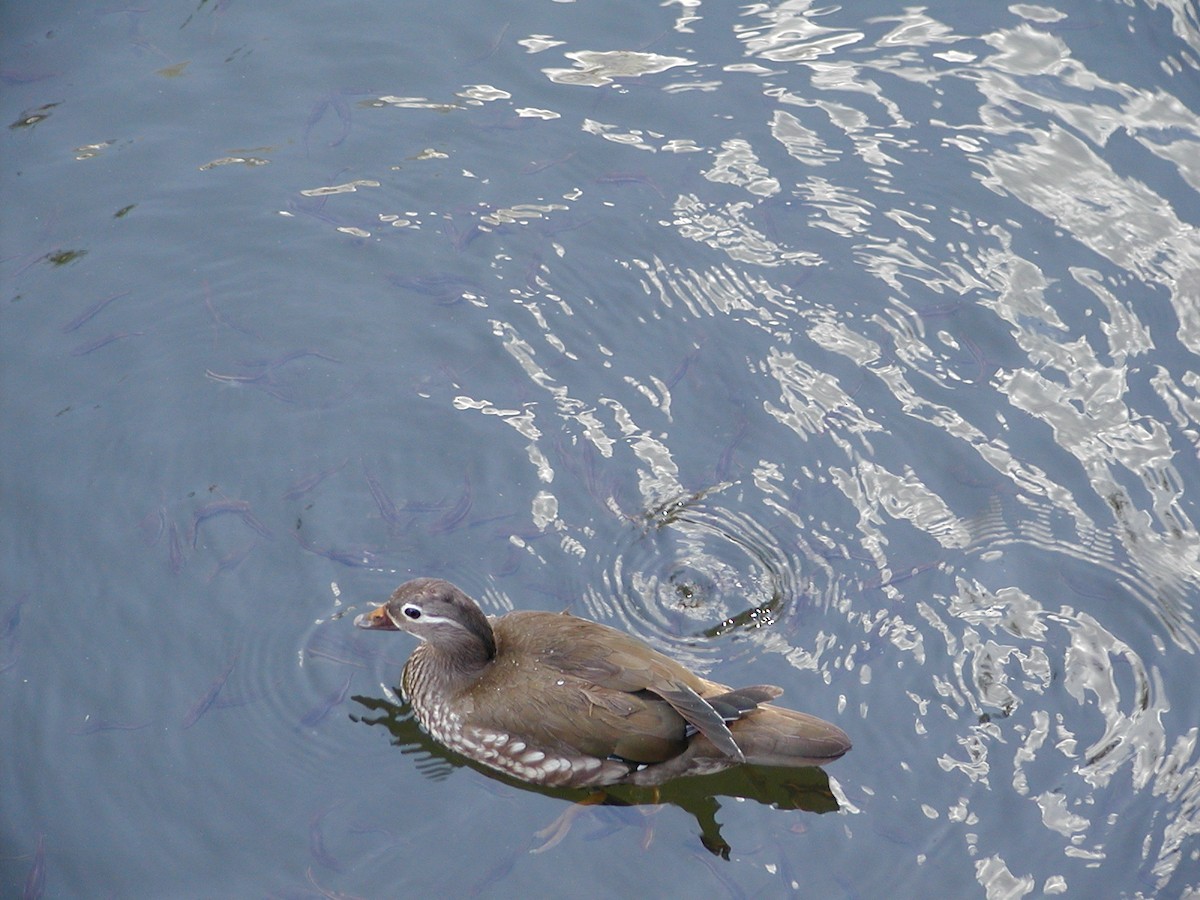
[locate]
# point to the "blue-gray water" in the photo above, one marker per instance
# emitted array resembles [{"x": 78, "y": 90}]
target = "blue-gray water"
[{"x": 848, "y": 349}]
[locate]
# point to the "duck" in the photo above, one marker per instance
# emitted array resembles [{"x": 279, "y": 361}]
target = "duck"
[{"x": 560, "y": 701}]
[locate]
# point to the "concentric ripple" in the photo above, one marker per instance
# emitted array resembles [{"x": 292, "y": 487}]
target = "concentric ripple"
[{"x": 692, "y": 568}]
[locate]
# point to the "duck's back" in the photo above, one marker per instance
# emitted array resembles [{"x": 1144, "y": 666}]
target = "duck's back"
[{"x": 591, "y": 652}]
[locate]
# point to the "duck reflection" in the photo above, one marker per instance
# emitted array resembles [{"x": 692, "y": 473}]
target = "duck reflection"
[{"x": 805, "y": 788}]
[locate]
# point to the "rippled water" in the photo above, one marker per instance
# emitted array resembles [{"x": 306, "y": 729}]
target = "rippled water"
[{"x": 851, "y": 351}]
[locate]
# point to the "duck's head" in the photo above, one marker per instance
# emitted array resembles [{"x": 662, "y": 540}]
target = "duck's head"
[{"x": 436, "y": 612}]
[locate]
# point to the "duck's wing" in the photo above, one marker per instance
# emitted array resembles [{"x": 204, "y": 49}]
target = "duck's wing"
[
  {"x": 702, "y": 716},
  {"x": 620, "y": 664},
  {"x": 568, "y": 717}
]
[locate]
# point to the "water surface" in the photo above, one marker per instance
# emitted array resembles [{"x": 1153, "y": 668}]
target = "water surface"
[{"x": 851, "y": 351}]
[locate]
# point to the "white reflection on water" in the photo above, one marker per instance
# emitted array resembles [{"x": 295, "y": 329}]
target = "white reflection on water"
[{"x": 1022, "y": 352}]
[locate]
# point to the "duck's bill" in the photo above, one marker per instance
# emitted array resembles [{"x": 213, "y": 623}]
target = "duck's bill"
[{"x": 376, "y": 618}]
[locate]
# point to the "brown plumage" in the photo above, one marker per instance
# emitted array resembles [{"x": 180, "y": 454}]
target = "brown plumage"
[{"x": 558, "y": 700}]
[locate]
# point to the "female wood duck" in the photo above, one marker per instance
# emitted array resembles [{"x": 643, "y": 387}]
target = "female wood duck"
[{"x": 561, "y": 701}]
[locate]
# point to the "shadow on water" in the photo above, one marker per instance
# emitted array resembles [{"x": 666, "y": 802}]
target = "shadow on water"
[{"x": 781, "y": 788}]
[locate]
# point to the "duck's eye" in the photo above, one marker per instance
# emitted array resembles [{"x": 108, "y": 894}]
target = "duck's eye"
[{"x": 412, "y": 612}]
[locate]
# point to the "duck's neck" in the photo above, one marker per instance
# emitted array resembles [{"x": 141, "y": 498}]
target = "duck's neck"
[{"x": 434, "y": 669}]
